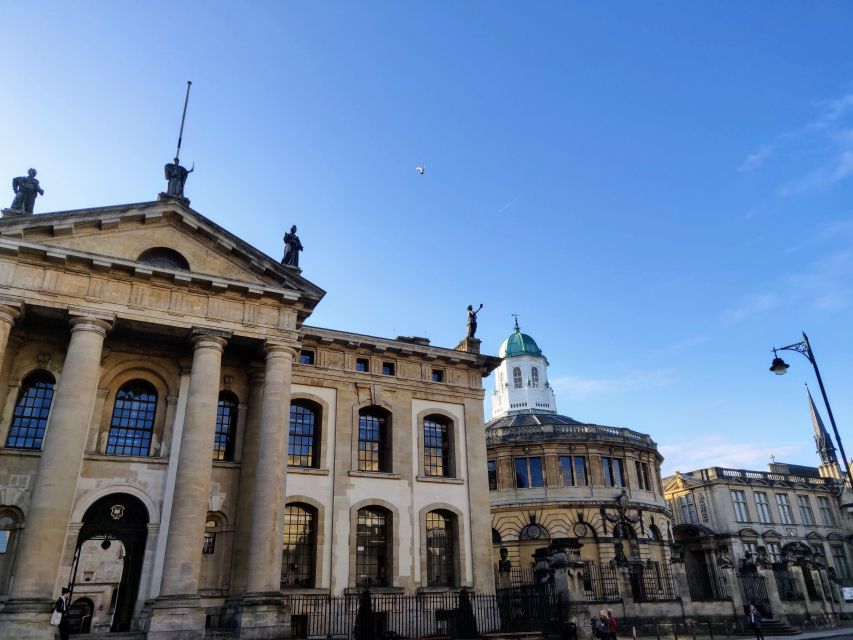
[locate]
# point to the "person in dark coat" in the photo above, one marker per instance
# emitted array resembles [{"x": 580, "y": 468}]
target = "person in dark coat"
[
  {"x": 755, "y": 620},
  {"x": 611, "y": 624},
  {"x": 62, "y": 607}
]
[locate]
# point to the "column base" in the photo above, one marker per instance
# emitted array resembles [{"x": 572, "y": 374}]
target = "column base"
[
  {"x": 263, "y": 616},
  {"x": 27, "y": 619},
  {"x": 176, "y": 618}
]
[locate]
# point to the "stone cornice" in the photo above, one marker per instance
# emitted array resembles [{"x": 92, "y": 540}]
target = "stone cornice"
[{"x": 354, "y": 341}]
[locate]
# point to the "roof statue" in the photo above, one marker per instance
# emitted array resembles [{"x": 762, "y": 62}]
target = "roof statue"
[
  {"x": 472, "y": 320},
  {"x": 26, "y": 189},
  {"x": 176, "y": 175},
  {"x": 292, "y": 247}
]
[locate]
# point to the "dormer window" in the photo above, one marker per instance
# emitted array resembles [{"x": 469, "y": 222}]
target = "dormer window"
[
  {"x": 534, "y": 377},
  {"x": 165, "y": 258}
]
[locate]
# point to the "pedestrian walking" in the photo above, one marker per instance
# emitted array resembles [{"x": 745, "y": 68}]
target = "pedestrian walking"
[
  {"x": 603, "y": 625},
  {"x": 755, "y": 621},
  {"x": 59, "y": 617},
  {"x": 611, "y": 624}
]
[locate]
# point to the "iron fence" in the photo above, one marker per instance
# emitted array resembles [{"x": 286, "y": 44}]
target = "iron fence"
[
  {"x": 651, "y": 582},
  {"x": 515, "y": 577},
  {"x": 787, "y": 586},
  {"x": 600, "y": 583},
  {"x": 704, "y": 587},
  {"x": 527, "y": 608}
]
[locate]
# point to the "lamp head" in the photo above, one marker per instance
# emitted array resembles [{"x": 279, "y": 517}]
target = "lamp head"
[{"x": 778, "y": 366}]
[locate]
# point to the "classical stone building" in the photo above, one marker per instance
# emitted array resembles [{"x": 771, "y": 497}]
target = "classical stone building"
[
  {"x": 787, "y": 528},
  {"x": 180, "y": 446},
  {"x": 553, "y": 477}
]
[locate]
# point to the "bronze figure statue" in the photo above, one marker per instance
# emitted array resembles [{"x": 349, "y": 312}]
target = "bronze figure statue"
[
  {"x": 472, "y": 320},
  {"x": 292, "y": 247},
  {"x": 176, "y": 175},
  {"x": 26, "y": 189}
]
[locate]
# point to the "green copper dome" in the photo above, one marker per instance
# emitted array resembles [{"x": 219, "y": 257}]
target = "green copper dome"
[{"x": 519, "y": 344}]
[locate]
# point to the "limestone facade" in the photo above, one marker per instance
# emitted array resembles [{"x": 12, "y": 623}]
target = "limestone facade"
[{"x": 159, "y": 388}]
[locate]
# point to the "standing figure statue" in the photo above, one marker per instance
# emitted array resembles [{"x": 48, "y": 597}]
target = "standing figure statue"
[
  {"x": 292, "y": 247},
  {"x": 26, "y": 188},
  {"x": 472, "y": 320},
  {"x": 176, "y": 175}
]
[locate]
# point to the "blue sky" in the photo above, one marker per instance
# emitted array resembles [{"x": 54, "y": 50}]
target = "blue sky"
[{"x": 661, "y": 190}]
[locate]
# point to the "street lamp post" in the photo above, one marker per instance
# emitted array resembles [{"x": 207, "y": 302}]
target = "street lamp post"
[{"x": 779, "y": 367}]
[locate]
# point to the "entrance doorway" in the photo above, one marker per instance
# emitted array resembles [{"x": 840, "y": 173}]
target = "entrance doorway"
[{"x": 108, "y": 557}]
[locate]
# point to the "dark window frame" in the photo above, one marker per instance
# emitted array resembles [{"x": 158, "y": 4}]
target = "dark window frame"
[
  {"x": 613, "y": 470},
  {"x": 299, "y": 545},
  {"x": 32, "y": 411},
  {"x": 135, "y": 397},
  {"x": 373, "y": 440},
  {"x": 527, "y": 477},
  {"x": 225, "y": 437},
  {"x": 373, "y": 563},
  {"x": 307, "y": 357},
  {"x": 362, "y": 365},
  {"x": 437, "y": 440},
  {"x": 303, "y": 437},
  {"x": 441, "y": 542},
  {"x": 492, "y": 471}
]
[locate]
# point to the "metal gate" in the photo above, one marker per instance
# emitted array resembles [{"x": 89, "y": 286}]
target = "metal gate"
[{"x": 755, "y": 592}]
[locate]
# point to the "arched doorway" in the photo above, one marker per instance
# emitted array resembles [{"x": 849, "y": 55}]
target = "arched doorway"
[{"x": 118, "y": 518}]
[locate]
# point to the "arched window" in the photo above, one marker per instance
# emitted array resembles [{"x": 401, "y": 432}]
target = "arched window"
[
  {"x": 516, "y": 377},
  {"x": 164, "y": 257},
  {"x": 534, "y": 531},
  {"x": 437, "y": 446},
  {"x": 226, "y": 426},
  {"x": 29, "y": 420},
  {"x": 372, "y": 440},
  {"x": 133, "y": 419},
  {"x": 208, "y": 545},
  {"x": 534, "y": 377},
  {"x": 372, "y": 560},
  {"x": 496, "y": 536},
  {"x": 303, "y": 445},
  {"x": 299, "y": 546},
  {"x": 440, "y": 549}
]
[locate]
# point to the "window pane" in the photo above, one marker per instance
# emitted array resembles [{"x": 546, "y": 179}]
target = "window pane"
[
  {"x": 580, "y": 470},
  {"x": 493, "y": 475},
  {"x": 436, "y": 448},
  {"x": 301, "y": 443},
  {"x": 133, "y": 420},
  {"x": 371, "y": 442},
  {"x": 439, "y": 530},
  {"x": 516, "y": 377},
  {"x": 371, "y": 551},
  {"x": 298, "y": 547},
  {"x": 4, "y": 540},
  {"x": 29, "y": 419},
  {"x": 226, "y": 427},
  {"x": 537, "y": 479},
  {"x": 566, "y": 471},
  {"x": 521, "y": 477}
]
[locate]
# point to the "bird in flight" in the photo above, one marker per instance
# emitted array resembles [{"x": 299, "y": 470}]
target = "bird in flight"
[{"x": 420, "y": 170}]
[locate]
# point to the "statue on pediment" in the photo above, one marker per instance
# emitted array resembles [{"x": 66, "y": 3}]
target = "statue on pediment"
[
  {"x": 176, "y": 178},
  {"x": 26, "y": 189},
  {"x": 292, "y": 247}
]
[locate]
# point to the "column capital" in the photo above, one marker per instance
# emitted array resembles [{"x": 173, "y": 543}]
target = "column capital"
[
  {"x": 10, "y": 312},
  {"x": 101, "y": 325},
  {"x": 209, "y": 339},
  {"x": 280, "y": 349}
]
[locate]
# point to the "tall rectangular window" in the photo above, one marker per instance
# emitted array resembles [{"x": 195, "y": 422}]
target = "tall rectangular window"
[
  {"x": 688, "y": 509},
  {"x": 643, "y": 479},
  {"x": 751, "y": 548},
  {"x": 613, "y": 472},
  {"x": 372, "y": 442},
  {"x": 739, "y": 503},
  {"x": 573, "y": 471},
  {"x": 493, "y": 475},
  {"x": 839, "y": 558},
  {"x": 825, "y": 508},
  {"x": 763, "y": 507},
  {"x": 528, "y": 473},
  {"x": 805, "y": 509},
  {"x": 784, "y": 505},
  {"x": 774, "y": 552}
]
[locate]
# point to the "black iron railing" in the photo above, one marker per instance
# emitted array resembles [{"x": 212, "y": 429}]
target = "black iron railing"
[
  {"x": 704, "y": 587},
  {"x": 599, "y": 583},
  {"x": 787, "y": 586},
  {"x": 651, "y": 582},
  {"x": 530, "y": 608}
]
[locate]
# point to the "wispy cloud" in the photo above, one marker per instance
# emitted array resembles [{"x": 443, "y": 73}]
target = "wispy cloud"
[
  {"x": 509, "y": 204},
  {"x": 721, "y": 451},
  {"x": 757, "y": 159},
  {"x": 826, "y": 141},
  {"x": 577, "y": 387},
  {"x": 751, "y": 306}
]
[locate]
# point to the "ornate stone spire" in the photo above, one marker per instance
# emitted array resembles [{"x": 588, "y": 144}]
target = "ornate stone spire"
[{"x": 825, "y": 448}]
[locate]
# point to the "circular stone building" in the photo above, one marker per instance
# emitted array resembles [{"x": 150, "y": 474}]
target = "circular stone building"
[{"x": 551, "y": 476}]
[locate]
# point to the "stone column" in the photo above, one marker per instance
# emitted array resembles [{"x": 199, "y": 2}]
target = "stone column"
[
  {"x": 39, "y": 555},
  {"x": 182, "y": 563},
  {"x": 262, "y": 614},
  {"x": 270, "y": 471},
  {"x": 9, "y": 314}
]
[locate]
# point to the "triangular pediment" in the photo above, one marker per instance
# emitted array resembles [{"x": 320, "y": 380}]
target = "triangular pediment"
[{"x": 123, "y": 233}]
